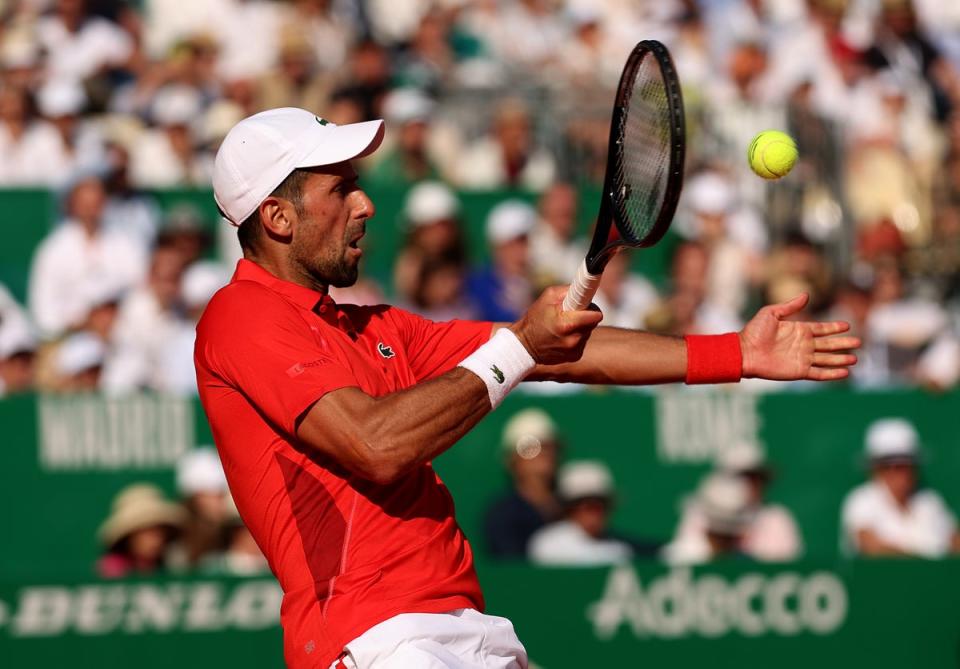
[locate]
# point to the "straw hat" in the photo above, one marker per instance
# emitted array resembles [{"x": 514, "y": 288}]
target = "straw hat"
[{"x": 138, "y": 507}]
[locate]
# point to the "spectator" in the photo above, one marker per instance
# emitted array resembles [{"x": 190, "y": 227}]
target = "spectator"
[
  {"x": 723, "y": 503},
  {"x": 624, "y": 298},
  {"x": 202, "y": 487},
  {"x": 147, "y": 323},
  {"x": 78, "y": 251},
  {"x": 439, "y": 294},
  {"x": 508, "y": 157},
  {"x": 581, "y": 539},
  {"x": 769, "y": 531},
  {"x": 164, "y": 157},
  {"x": 892, "y": 514},
  {"x": 128, "y": 209},
  {"x": 201, "y": 281},
  {"x": 79, "y": 45},
  {"x": 531, "y": 448},
  {"x": 78, "y": 363},
  {"x": 297, "y": 81},
  {"x": 17, "y": 347},
  {"x": 31, "y": 148},
  {"x": 502, "y": 289},
  {"x": 555, "y": 254},
  {"x": 241, "y": 556},
  {"x": 328, "y": 26},
  {"x": 434, "y": 235},
  {"x": 900, "y": 329},
  {"x": 139, "y": 532},
  {"x": 81, "y": 144},
  {"x": 408, "y": 161}
]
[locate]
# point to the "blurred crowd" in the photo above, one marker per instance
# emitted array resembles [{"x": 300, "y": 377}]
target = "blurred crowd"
[
  {"x": 104, "y": 101},
  {"x": 201, "y": 531},
  {"x": 560, "y": 512}
]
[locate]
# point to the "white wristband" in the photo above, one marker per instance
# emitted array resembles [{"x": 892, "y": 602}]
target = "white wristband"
[{"x": 501, "y": 363}]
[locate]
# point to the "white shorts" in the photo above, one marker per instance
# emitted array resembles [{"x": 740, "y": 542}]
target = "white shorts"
[{"x": 460, "y": 639}]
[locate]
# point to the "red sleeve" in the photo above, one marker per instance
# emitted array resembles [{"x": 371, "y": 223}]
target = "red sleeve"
[
  {"x": 258, "y": 344},
  {"x": 435, "y": 348}
]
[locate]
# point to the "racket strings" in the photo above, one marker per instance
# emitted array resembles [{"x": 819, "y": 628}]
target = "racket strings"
[{"x": 641, "y": 180}]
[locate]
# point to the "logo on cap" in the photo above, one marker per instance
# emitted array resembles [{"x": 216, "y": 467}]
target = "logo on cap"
[{"x": 322, "y": 121}]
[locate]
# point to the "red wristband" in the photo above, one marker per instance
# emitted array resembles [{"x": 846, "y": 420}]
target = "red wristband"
[{"x": 714, "y": 358}]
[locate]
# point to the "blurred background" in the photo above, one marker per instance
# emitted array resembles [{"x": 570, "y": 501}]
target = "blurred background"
[{"x": 724, "y": 527}]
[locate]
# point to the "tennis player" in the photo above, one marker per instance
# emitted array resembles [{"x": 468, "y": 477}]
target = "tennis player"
[{"x": 328, "y": 416}]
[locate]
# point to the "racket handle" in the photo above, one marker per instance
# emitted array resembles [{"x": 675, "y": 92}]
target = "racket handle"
[{"x": 582, "y": 290}]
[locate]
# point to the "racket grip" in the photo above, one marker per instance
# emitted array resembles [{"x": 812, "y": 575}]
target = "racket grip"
[{"x": 582, "y": 290}]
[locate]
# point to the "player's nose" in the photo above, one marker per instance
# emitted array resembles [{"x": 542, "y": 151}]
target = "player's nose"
[{"x": 363, "y": 205}]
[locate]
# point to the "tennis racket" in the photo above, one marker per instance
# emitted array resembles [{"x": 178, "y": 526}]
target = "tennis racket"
[{"x": 644, "y": 166}]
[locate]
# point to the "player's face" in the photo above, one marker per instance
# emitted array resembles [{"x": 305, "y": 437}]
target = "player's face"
[{"x": 334, "y": 215}]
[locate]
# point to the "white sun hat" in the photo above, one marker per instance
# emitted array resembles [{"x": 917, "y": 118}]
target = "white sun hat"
[
  {"x": 584, "y": 478},
  {"x": 429, "y": 202},
  {"x": 510, "y": 220},
  {"x": 200, "y": 471},
  {"x": 526, "y": 431},
  {"x": 892, "y": 439},
  {"x": 262, "y": 150},
  {"x": 80, "y": 352}
]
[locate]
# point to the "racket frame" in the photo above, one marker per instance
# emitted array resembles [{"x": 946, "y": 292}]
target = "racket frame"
[{"x": 612, "y": 232}]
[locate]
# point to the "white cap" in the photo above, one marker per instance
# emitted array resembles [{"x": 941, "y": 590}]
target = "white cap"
[
  {"x": 405, "y": 105},
  {"x": 100, "y": 290},
  {"x": 509, "y": 220},
  {"x": 429, "y": 202},
  {"x": 199, "y": 471},
  {"x": 176, "y": 104},
  {"x": 16, "y": 336},
  {"x": 709, "y": 193},
  {"x": 892, "y": 439},
  {"x": 201, "y": 280},
  {"x": 80, "y": 352},
  {"x": 724, "y": 500},
  {"x": 61, "y": 97},
  {"x": 584, "y": 478},
  {"x": 262, "y": 150},
  {"x": 739, "y": 458},
  {"x": 526, "y": 431}
]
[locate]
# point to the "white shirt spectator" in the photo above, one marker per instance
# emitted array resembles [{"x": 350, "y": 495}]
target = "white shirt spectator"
[
  {"x": 554, "y": 260},
  {"x": 168, "y": 21},
  {"x": 154, "y": 164},
  {"x": 566, "y": 543},
  {"x": 637, "y": 298},
  {"x": 242, "y": 57},
  {"x": 37, "y": 158},
  {"x": 78, "y": 55},
  {"x": 66, "y": 260},
  {"x": 771, "y": 535},
  {"x": 924, "y": 528},
  {"x": 482, "y": 167},
  {"x": 143, "y": 331}
]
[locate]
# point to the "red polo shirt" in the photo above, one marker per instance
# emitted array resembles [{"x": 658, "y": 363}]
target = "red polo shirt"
[{"x": 348, "y": 553}]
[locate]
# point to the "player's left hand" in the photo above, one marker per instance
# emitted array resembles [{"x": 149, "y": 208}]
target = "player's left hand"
[{"x": 783, "y": 350}]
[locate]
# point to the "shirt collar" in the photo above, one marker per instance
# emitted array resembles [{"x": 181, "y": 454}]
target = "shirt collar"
[
  {"x": 247, "y": 270},
  {"x": 319, "y": 303}
]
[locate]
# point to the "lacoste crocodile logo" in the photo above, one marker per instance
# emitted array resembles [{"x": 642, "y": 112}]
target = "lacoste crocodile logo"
[
  {"x": 385, "y": 350},
  {"x": 497, "y": 374},
  {"x": 321, "y": 121}
]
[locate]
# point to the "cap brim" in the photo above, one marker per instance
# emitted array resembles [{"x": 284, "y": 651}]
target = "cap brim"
[{"x": 345, "y": 142}]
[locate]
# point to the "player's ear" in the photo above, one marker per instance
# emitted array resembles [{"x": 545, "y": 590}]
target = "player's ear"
[{"x": 277, "y": 216}]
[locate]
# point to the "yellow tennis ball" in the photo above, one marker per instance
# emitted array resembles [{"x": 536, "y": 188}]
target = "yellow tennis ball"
[{"x": 772, "y": 154}]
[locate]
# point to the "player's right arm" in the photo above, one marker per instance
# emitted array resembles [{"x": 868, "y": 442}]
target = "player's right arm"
[{"x": 382, "y": 438}]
